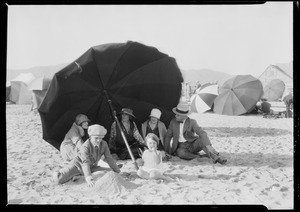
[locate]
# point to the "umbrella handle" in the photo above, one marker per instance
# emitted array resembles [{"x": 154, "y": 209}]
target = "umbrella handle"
[
  {"x": 120, "y": 128},
  {"x": 126, "y": 143}
]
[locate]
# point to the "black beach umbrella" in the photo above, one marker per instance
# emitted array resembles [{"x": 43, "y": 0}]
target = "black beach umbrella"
[{"x": 105, "y": 79}]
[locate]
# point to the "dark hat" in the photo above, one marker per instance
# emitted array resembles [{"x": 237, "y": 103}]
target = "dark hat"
[
  {"x": 127, "y": 111},
  {"x": 81, "y": 118}
]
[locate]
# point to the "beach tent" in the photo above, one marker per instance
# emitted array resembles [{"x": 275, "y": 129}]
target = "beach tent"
[
  {"x": 39, "y": 87},
  {"x": 20, "y": 94},
  {"x": 282, "y": 71},
  {"x": 8, "y": 89},
  {"x": 105, "y": 79}
]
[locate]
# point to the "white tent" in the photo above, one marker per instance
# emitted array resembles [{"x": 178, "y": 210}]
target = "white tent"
[
  {"x": 20, "y": 94},
  {"x": 39, "y": 87}
]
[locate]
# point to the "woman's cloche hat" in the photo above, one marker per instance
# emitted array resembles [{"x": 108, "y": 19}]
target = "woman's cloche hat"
[
  {"x": 156, "y": 113},
  {"x": 81, "y": 118},
  {"x": 127, "y": 111}
]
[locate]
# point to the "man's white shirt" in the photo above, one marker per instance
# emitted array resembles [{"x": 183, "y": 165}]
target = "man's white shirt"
[{"x": 181, "y": 138}]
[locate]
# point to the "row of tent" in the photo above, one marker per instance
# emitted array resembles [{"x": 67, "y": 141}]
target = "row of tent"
[
  {"x": 103, "y": 80},
  {"x": 26, "y": 89},
  {"x": 237, "y": 96}
]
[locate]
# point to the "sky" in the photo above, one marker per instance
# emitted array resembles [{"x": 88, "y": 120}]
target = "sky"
[{"x": 235, "y": 39}]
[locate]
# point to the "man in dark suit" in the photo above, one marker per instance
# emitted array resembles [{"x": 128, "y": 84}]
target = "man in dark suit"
[{"x": 186, "y": 139}]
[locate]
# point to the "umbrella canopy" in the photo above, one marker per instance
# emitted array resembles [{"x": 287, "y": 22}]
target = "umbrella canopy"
[
  {"x": 210, "y": 87},
  {"x": 37, "y": 98},
  {"x": 238, "y": 95},
  {"x": 203, "y": 100},
  {"x": 274, "y": 90},
  {"x": 129, "y": 74}
]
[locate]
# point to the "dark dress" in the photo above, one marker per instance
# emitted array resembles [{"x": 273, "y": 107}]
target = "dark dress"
[{"x": 134, "y": 139}]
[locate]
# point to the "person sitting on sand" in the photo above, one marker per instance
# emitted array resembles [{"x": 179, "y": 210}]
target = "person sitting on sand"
[
  {"x": 289, "y": 105},
  {"x": 117, "y": 145},
  {"x": 265, "y": 107},
  {"x": 186, "y": 139},
  {"x": 154, "y": 125},
  {"x": 74, "y": 138},
  {"x": 88, "y": 157},
  {"x": 151, "y": 163}
]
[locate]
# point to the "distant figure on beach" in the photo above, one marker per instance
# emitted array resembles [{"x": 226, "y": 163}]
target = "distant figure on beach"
[
  {"x": 116, "y": 144},
  {"x": 185, "y": 138},
  {"x": 87, "y": 159},
  {"x": 74, "y": 138},
  {"x": 151, "y": 167},
  {"x": 198, "y": 85},
  {"x": 265, "y": 107},
  {"x": 157, "y": 127},
  {"x": 289, "y": 105}
]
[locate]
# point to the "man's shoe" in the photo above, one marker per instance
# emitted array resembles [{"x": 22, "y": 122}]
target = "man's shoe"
[{"x": 221, "y": 161}]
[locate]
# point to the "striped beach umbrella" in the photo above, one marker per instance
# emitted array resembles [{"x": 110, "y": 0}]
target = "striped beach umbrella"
[{"x": 204, "y": 98}]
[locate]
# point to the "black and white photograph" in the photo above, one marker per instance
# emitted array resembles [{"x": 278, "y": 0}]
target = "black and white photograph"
[{"x": 150, "y": 104}]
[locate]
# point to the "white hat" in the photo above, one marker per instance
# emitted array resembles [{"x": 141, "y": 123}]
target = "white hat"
[
  {"x": 97, "y": 129},
  {"x": 182, "y": 109},
  {"x": 155, "y": 113}
]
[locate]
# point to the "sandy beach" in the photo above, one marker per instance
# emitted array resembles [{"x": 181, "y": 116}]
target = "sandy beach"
[{"x": 259, "y": 168}]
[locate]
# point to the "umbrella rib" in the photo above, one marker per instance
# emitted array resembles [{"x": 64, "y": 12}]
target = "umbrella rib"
[
  {"x": 114, "y": 69},
  {"x": 102, "y": 84}
]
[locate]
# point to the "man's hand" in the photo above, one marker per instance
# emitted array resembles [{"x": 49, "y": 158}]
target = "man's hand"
[
  {"x": 163, "y": 154},
  {"x": 124, "y": 174},
  {"x": 139, "y": 162},
  {"x": 115, "y": 156},
  {"x": 90, "y": 182}
]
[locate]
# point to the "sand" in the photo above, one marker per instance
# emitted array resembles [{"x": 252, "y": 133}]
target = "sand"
[{"x": 259, "y": 169}]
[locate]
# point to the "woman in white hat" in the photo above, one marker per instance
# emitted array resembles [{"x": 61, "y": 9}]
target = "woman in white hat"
[
  {"x": 155, "y": 126},
  {"x": 74, "y": 137},
  {"x": 117, "y": 145},
  {"x": 88, "y": 157}
]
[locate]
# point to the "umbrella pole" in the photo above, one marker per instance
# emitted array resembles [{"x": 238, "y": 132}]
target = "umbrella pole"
[{"x": 122, "y": 133}]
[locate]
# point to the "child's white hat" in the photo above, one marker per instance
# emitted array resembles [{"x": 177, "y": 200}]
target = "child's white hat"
[{"x": 97, "y": 129}]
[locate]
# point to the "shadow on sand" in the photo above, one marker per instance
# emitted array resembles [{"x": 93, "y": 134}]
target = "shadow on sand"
[
  {"x": 255, "y": 160},
  {"x": 245, "y": 132}
]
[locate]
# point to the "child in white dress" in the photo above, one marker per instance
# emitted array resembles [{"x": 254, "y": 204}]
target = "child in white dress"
[{"x": 152, "y": 167}]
